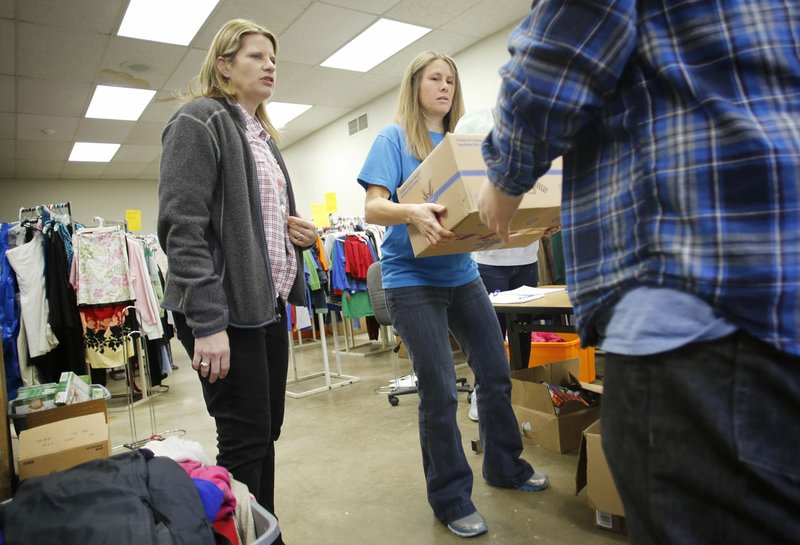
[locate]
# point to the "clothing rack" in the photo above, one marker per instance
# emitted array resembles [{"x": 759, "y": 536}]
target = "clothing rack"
[
  {"x": 326, "y": 373},
  {"x": 24, "y": 212}
]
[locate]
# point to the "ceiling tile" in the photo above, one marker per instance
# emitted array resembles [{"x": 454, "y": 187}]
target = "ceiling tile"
[
  {"x": 39, "y": 169},
  {"x": 289, "y": 137},
  {"x": 7, "y": 148},
  {"x": 8, "y": 168},
  {"x": 370, "y": 6},
  {"x": 427, "y": 13},
  {"x": 331, "y": 28},
  {"x": 7, "y": 9},
  {"x": 137, "y": 154},
  {"x": 186, "y": 71},
  {"x": 52, "y": 97},
  {"x": 55, "y": 53},
  {"x": 99, "y": 17},
  {"x": 489, "y": 16},
  {"x": 441, "y": 41},
  {"x": 150, "y": 172},
  {"x": 119, "y": 170},
  {"x": 316, "y": 117},
  {"x": 8, "y": 126},
  {"x": 315, "y": 84},
  {"x": 160, "y": 109},
  {"x": 145, "y": 133},
  {"x": 83, "y": 170},
  {"x": 103, "y": 130},
  {"x": 365, "y": 88},
  {"x": 43, "y": 151},
  {"x": 140, "y": 64},
  {"x": 7, "y": 94},
  {"x": 30, "y": 127},
  {"x": 275, "y": 15},
  {"x": 7, "y": 46},
  {"x": 289, "y": 73}
]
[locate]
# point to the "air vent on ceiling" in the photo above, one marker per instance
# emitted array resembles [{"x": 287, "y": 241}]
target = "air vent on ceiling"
[{"x": 356, "y": 125}]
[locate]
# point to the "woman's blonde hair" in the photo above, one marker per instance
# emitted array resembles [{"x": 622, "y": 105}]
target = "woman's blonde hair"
[
  {"x": 226, "y": 44},
  {"x": 409, "y": 112}
]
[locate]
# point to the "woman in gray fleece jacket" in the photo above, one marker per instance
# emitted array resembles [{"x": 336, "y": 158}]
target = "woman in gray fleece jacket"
[{"x": 228, "y": 223}]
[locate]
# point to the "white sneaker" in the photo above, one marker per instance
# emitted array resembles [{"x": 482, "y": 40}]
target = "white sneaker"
[{"x": 473, "y": 406}]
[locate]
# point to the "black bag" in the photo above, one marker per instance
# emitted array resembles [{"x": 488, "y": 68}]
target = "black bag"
[{"x": 132, "y": 498}]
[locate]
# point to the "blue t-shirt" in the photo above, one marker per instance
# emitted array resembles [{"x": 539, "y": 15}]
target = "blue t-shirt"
[{"x": 388, "y": 165}]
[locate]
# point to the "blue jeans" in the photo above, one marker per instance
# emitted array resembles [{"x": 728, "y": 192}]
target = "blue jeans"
[
  {"x": 423, "y": 315},
  {"x": 506, "y": 278},
  {"x": 704, "y": 443}
]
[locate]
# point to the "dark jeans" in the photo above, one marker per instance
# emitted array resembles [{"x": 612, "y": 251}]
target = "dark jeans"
[
  {"x": 422, "y": 316},
  {"x": 503, "y": 278},
  {"x": 704, "y": 443},
  {"x": 248, "y": 404}
]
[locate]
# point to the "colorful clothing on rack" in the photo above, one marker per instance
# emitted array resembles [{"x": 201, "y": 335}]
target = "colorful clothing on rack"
[
  {"x": 100, "y": 271},
  {"x": 106, "y": 333}
]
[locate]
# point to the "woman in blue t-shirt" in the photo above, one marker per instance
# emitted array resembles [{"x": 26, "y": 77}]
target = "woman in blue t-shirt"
[{"x": 430, "y": 297}]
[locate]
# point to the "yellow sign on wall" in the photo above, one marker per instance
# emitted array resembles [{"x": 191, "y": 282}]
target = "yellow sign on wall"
[
  {"x": 320, "y": 215},
  {"x": 134, "y": 219},
  {"x": 330, "y": 203}
]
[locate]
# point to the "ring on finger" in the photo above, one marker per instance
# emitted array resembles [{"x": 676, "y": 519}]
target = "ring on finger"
[{"x": 204, "y": 363}]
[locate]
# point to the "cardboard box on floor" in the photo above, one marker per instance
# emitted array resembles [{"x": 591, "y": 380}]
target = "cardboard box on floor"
[
  {"x": 60, "y": 438},
  {"x": 594, "y": 474},
  {"x": 536, "y": 416},
  {"x": 452, "y": 175}
]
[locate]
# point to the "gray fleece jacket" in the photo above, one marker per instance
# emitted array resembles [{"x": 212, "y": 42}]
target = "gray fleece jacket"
[{"x": 210, "y": 224}]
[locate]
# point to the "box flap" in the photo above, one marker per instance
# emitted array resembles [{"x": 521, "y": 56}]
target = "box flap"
[
  {"x": 66, "y": 411},
  {"x": 594, "y": 474}
]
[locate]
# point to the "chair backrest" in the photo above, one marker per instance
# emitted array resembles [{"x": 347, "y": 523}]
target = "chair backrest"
[{"x": 377, "y": 297}]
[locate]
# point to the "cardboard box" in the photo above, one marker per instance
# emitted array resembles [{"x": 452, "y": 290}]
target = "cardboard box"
[
  {"x": 63, "y": 437},
  {"x": 452, "y": 175},
  {"x": 536, "y": 414},
  {"x": 594, "y": 474}
]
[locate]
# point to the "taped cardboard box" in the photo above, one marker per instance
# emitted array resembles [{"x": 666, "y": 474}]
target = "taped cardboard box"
[
  {"x": 540, "y": 423},
  {"x": 60, "y": 438},
  {"x": 452, "y": 175},
  {"x": 594, "y": 474}
]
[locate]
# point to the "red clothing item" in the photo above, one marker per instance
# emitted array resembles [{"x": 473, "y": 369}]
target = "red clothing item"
[
  {"x": 357, "y": 257},
  {"x": 227, "y": 527}
]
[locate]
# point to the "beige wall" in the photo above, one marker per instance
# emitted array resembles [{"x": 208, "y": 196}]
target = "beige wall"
[
  {"x": 105, "y": 198},
  {"x": 327, "y": 161}
]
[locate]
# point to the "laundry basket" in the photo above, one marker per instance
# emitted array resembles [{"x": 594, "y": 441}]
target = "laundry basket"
[{"x": 266, "y": 525}]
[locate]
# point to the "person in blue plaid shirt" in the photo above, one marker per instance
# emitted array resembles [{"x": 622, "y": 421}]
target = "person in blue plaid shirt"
[{"x": 679, "y": 123}]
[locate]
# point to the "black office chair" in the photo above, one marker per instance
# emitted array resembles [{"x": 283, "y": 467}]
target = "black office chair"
[{"x": 377, "y": 298}]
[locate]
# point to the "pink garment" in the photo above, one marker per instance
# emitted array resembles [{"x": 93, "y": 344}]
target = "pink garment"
[
  {"x": 545, "y": 337},
  {"x": 217, "y": 475}
]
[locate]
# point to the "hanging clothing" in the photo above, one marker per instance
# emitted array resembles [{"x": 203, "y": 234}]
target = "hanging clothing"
[
  {"x": 28, "y": 264},
  {"x": 9, "y": 316}
]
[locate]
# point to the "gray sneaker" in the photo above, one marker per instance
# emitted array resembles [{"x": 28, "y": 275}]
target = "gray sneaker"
[
  {"x": 537, "y": 481},
  {"x": 469, "y": 526}
]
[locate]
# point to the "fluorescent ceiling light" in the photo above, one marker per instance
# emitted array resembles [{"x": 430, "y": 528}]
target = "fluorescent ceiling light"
[
  {"x": 376, "y": 44},
  {"x": 118, "y": 103},
  {"x": 280, "y": 113},
  {"x": 168, "y": 21},
  {"x": 91, "y": 152}
]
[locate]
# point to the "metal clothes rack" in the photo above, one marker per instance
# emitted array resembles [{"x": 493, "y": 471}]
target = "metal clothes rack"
[
  {"x": 25, "y": 211},
  {"x": 343, "y": 380}
]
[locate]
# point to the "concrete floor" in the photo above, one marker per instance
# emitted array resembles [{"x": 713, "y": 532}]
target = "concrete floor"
[{"x": 349, "y": 469}]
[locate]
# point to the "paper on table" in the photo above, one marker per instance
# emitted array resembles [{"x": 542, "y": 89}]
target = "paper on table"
[{"x": 522, "y": 294}]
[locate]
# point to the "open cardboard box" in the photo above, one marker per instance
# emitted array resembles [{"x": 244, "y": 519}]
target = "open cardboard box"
[
  {"x": 60, "y": 438},
  {"x": 452, "y": 175},
  {"x": 594, "y": 474},
  {"x": 536, "y": 414}
]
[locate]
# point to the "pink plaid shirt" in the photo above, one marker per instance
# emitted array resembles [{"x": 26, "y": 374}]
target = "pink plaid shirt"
[{"x": 274, "y": 207}]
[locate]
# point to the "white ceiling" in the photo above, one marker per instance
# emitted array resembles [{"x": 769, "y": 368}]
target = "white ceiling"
[{"x": 54, "y": 52}]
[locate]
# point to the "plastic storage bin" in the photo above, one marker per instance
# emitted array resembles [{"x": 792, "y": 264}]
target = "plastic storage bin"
[
  {"x": 544, "y": 353},
  {"x": 266, "y": 525}
]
